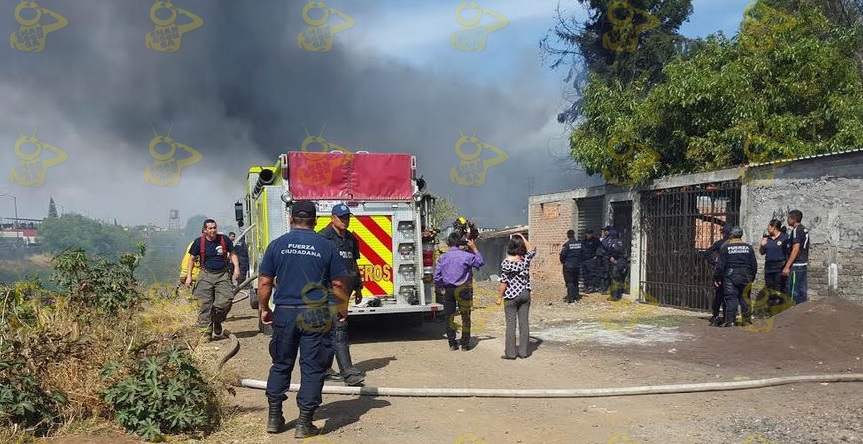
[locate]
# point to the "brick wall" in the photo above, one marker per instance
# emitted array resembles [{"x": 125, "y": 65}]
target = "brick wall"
[{"x": 548, "y": 224}]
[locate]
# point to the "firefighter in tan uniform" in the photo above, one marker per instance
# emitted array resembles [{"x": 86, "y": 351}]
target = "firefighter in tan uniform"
[{"x": 214, "y": 288}]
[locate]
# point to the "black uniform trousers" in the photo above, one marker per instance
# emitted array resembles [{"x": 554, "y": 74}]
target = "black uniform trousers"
[
  {"x": 736, "y": 293},
  {"x": 570, "y": 277},
  {"x": 718, "y": 300},
  {"x": 298, "y": 328},
  {"x": 618, "y": 274}
]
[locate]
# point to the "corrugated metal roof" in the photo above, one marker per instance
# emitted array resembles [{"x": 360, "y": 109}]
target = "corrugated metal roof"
[{"x": 814, "y": 156}]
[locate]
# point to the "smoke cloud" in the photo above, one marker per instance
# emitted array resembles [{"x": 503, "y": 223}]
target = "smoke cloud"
[{"x": 240, "y": 91}]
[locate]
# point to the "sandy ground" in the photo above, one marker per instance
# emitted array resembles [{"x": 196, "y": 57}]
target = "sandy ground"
[{"x": 590, "y": 344}]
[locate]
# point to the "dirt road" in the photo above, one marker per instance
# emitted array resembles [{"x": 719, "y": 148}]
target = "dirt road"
[{"x": 591, "y": 344}]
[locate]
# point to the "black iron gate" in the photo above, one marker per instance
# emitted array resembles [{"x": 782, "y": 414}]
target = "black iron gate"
[{"x": 678, "y": 225}]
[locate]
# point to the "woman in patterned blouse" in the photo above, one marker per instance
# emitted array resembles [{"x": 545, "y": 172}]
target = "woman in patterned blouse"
[{"x": 515, "y": 290}]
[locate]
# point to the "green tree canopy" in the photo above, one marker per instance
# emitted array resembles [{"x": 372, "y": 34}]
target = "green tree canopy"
[
  {"x": 76, "y": 231},
  {"x": 788, "y": 85}
]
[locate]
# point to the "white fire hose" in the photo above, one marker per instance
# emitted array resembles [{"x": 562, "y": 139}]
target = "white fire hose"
[{"x": 568, "y": 393}]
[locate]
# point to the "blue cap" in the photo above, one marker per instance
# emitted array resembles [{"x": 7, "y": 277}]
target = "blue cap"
[{"x": 341, "y": 210}]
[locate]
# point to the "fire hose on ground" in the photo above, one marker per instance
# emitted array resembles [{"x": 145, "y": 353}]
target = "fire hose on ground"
[
  {"x": 234, "y": 348},
  {"x": 569, "y": 393}
]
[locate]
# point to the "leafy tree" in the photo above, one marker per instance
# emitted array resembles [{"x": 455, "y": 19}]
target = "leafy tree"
[
  {"x": 193, "y": 226},
  {"x": 620, "y": 42},
  {"x": 76, "y": 231},
  {"x": 779, "y": 89}
]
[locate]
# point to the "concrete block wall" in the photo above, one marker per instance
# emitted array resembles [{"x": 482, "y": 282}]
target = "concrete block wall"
[
  {"x": 549, "y": 218},
  {"x": 828, "y": 192}
]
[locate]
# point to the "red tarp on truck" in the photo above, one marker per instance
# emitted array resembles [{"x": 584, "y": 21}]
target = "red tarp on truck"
[{"x": 362, "y": 176}]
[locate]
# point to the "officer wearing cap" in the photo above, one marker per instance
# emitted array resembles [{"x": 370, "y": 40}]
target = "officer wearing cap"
[
  {"x": 711, "y": 255},
  {"x": 349, "y": 250},
  {"x": 735, "y": 270},
  {"x": 570, "y": 258},
  {"x": 589, "y": 245},
  {"x": 305, "y": 266}
]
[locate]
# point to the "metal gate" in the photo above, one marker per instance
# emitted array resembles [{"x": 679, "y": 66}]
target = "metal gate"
[
  {"x": 678, "y": 225},
  {"x": 589, "y": 214},
  {"x": 622, "y": 221}
]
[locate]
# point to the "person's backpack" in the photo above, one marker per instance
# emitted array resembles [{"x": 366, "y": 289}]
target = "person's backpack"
[{"x": 221, "y": 242}]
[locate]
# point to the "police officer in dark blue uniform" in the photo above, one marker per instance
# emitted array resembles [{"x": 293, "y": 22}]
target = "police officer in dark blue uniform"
[
  {"x": 615, "y": 257},
  {"x": 603, "y": 269},
  {"x": 736, "y": 269},
  {"x": 304, "y": 265},
  {"x": 349, "y": 249},
  {"x": 570, "y": 257},
  {"x": 589, "y": 246},
  {"x": 711, "y": 255}
]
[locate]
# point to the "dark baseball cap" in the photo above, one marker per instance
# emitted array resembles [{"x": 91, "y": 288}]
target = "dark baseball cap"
[
  {"x": 341, "y": 210},
  {"x": 304, "y": 208},
  {"x": 607, "y": 228},
  {"x": 726, "y": 229}
]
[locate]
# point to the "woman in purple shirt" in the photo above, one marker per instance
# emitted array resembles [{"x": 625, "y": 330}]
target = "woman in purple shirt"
[{"x": 453, "y": 278}]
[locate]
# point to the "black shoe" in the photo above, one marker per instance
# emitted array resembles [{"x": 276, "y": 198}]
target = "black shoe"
[
  {"x": 275, "y": 420},
  {"x": 453, "y": 347},
  {"x": 507, "y": 357},
  {"x": 728, "y": 324},
  {"x": 465, "y": 347},
  {"x": 304, "y": 427},
  {"x": 217, "y": 329},
  {"x": 354, "y": 380},
  {"x": 333, "y": 376}
]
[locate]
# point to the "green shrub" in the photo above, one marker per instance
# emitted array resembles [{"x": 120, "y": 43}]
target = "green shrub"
[
  {"x": 164, "y": 394},
  {"x": 23, "y": 401}
]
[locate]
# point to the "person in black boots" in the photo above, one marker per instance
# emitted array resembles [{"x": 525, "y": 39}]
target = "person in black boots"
[
  {"x": 711, "y": 255},
  {"x": 349, "y": 249},
  {"x": 306, "y": 266},
  {"x": 736, "y": 269},
  {"x": 615, "y": 257},
  {"x": 570, "y": 258}
]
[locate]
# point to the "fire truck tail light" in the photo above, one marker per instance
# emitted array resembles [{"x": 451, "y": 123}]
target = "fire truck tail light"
[{"x": 428, "y": 258}]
